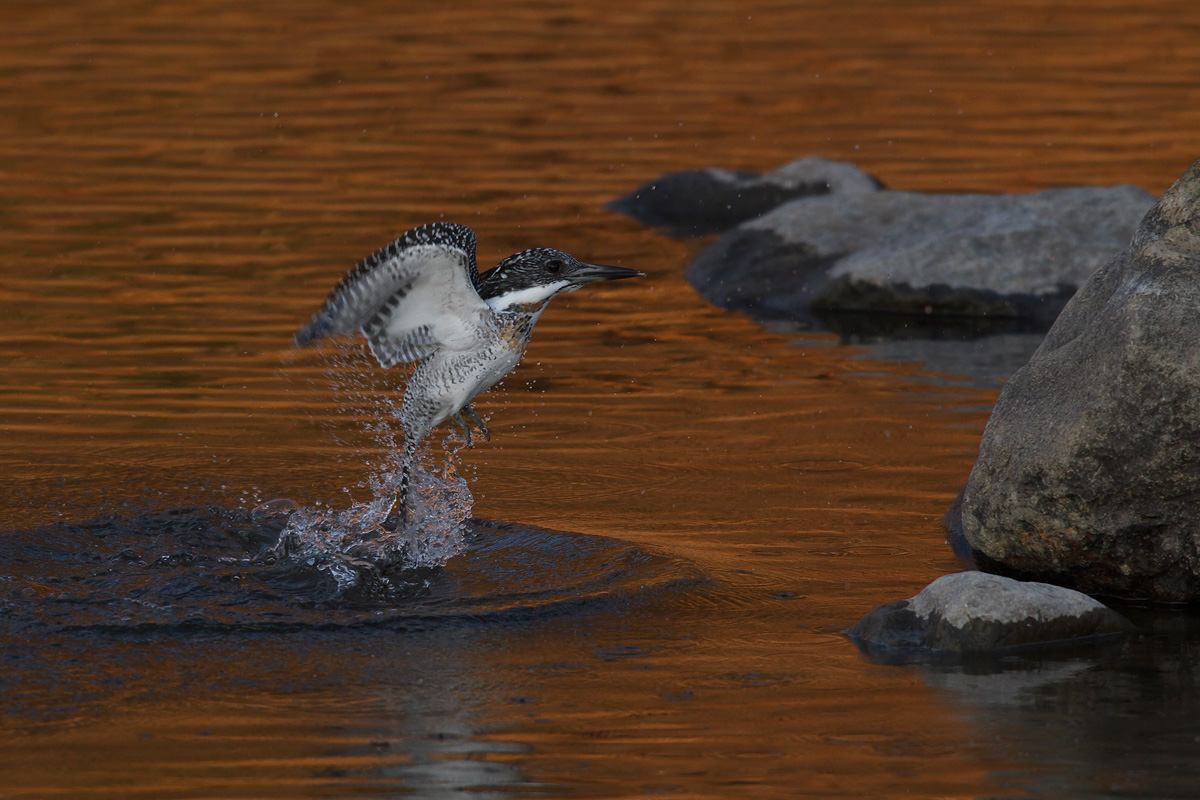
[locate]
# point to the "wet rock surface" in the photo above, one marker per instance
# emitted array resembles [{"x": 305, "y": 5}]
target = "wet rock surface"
[
  {"x": 704, "y": 201},
  {"x": 1089, "y": 469},
  {"x": 974, "y": 612}
]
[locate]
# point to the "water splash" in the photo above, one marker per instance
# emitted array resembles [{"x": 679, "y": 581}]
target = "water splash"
[{"x": 351, "y": 545}]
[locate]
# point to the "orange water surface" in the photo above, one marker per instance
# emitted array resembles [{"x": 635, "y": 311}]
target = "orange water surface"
[{"x": 185, "y": 180}]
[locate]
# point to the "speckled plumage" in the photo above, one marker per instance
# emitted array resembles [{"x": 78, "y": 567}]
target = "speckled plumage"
[{"x": 421, "y": 298}]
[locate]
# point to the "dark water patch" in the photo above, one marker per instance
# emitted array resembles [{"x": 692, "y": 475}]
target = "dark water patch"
[
  {"x": 1118, "y": 720},
  {"x": 984, "y": 351},
  {"x": 215, "y": 569}
]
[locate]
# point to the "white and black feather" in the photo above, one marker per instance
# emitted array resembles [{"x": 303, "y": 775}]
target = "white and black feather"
[{"x": 416, "y": 295}]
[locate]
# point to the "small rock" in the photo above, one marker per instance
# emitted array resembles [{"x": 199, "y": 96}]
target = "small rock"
[
  {"x": 1089, "y": 468},
  {"x": 974, "y": 612},
  {"x": 703, "y": 201}
]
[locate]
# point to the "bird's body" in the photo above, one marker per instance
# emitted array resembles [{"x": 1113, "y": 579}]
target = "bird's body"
[
  {"x": 448, "y": 380},
  {"x": 421, "y": 298}
]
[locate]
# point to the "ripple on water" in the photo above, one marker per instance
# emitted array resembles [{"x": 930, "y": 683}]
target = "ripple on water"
[{"x": 219, "y": 569}]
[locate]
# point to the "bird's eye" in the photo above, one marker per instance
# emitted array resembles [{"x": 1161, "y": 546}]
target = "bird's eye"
[{"x": 554, "y": 266}]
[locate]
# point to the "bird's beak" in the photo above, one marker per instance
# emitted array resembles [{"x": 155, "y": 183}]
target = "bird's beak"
[{"x": 590, "y": 273}]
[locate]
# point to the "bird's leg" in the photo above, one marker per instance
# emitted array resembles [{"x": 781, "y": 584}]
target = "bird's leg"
[
  {"x": 471, "y": 414},
  {"x": 466, "y": 427}
]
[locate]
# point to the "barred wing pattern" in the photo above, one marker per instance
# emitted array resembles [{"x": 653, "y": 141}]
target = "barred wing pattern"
[{"x": 417, "y": 294}]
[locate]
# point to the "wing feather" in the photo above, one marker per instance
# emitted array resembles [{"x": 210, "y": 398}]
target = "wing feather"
[{"x": 409, "y": 298}]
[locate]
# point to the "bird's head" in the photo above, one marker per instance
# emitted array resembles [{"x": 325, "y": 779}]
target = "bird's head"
[{"x": 528, "y": 280}]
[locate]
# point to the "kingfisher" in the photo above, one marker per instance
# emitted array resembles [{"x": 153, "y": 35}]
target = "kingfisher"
[{"x": 422, "y": 299}]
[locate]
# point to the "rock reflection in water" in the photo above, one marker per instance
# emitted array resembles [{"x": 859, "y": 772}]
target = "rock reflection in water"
[
  {"x": 1098, "y": 721},
  {"x": 982, "y": 353}
]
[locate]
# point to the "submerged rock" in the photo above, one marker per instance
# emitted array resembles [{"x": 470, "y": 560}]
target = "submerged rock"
[
  {"x": 982, "y": 255},
  {"x": 1089, "y": 469},
  {"x": 973, "y": 612},
  {"x": 703, "y": 201}
]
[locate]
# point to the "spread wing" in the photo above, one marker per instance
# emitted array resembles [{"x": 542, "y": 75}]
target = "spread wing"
[{"x": 417, "y": 294}]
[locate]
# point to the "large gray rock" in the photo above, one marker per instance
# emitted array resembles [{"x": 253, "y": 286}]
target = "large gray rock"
[
  {"x": 973, "y": 612},
  {"x": 703, "y": 201},
  {"x": 988, "y": 255},
  {"x": 1089, "y": 469}
]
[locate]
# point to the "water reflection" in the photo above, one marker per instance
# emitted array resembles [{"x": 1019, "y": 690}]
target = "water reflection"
[
  {"x": 1119, "y": 721},
  {"x": 237, "y": 716},
  {"x": 126, "y": 620},
  {"x": 980, "y": 352},
  {"x": 433, "y": 718}
]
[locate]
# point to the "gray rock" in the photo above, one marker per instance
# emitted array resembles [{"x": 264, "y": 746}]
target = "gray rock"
[
  {"x": 1004, "y": 255},
  {"x": 1089, "y": 468},
  {"x": 699, "y": 202},
  {"x": 973, "y": 612}
]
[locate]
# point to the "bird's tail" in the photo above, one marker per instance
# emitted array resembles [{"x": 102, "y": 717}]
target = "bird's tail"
[{"x": 401, "y": 515}]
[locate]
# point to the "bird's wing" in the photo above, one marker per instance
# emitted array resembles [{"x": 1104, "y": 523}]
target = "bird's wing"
[{"x": 417, "y": 294}]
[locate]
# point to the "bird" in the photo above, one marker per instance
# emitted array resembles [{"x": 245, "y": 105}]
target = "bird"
[{"x": 422, "y": 299}]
